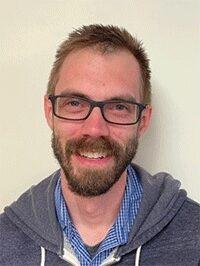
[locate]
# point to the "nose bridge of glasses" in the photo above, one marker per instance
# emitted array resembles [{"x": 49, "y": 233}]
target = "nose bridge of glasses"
[{"x": 99, "y": 104}]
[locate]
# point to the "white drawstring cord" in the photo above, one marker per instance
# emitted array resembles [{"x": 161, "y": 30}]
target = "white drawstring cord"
[
  {"x": 137, "y": 256},
  {"x": 42, "y": 257}
]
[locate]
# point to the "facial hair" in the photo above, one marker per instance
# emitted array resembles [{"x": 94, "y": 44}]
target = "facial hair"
[{"x": 88, "y": 182}]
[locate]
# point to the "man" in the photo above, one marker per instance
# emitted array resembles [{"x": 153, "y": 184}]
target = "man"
[{"x": 99, "y": 209}]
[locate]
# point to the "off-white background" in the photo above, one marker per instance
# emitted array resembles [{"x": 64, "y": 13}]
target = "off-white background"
[{"x": 30, "y": 33}]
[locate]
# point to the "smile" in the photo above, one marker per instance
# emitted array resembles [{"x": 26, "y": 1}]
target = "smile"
[{"x": 93, "y": 155}]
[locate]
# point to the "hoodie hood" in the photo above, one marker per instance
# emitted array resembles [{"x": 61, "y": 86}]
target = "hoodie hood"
[
  {"x": 34, "y": 212},
  {"x": 162, "y": 198}
]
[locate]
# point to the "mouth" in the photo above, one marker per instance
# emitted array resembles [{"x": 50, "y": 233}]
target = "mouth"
[{"x": 93, "y": 155}]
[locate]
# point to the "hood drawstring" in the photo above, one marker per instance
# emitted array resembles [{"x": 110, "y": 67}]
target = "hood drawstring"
[
  {"x": 137, "y": 256},
  {"x": 42, "y": 262}
]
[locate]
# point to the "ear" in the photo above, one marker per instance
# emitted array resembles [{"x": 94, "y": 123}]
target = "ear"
[
  {"x": 144, "y": 120},
  {"x": 48, "y": 111}
]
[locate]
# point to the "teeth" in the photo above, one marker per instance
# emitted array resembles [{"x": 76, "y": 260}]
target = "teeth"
[{"x": 93, "y": 155}]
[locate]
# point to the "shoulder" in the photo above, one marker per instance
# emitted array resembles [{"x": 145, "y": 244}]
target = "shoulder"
[
  {"x": 15, "y": 245},
  {"x": 192, "y": 204},
  {"x": 186, "y": 223},
  {"x": 24, "y": 224},
  {"x": 190, "y": 214},
  {"x": 10, "y": 233}
]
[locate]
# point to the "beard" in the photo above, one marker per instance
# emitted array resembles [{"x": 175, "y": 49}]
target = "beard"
[{"x": 90, "y": 182}]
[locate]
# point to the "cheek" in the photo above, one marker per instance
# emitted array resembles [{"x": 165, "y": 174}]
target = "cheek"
[
  {"x": 66, "y": 129},
  {"x": 124, "y": 133}
]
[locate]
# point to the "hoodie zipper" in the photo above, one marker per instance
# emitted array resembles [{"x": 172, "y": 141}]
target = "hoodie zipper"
[
  {"x": 110, "y": 261},
  {"x": 70, "y": 258}
]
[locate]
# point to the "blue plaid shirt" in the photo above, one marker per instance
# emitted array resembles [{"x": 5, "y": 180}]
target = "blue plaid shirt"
[{"x": 118, "y": 234}]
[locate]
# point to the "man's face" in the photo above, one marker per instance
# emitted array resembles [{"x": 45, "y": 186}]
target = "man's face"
[{"x": 93, "y": 153}]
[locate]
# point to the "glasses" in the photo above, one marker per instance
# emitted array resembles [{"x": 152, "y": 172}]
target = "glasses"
[{"x": 119, "y": 112}]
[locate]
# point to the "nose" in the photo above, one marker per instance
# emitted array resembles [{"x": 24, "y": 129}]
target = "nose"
[{"x": 95, "y": 125}]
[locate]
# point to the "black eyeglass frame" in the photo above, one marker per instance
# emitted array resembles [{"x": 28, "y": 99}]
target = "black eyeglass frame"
[{"x": 99, "y": 104}]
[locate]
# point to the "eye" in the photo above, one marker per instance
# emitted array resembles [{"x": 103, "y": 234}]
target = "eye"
[
  {"x": 69, "y": 102},
  {"x": 120, "y": 106},
  {"x": 72, "y": 105},
  {"x": 73, "y": 102}
]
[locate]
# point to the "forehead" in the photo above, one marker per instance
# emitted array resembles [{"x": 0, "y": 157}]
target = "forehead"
[{"x": 100, "y": 75}]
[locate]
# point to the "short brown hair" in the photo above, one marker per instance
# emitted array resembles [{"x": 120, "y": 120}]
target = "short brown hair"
[{"x": 106, "y": 39}]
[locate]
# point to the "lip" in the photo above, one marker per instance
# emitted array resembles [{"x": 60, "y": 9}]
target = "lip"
[
  {"x": 93, "y": 155},
  {"x": 92, "y": 162}
]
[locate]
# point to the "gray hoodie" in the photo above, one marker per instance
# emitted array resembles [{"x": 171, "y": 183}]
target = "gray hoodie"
[{"x": 166, "y": 230}]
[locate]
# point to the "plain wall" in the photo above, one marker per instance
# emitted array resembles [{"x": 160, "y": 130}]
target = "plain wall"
[{"x": 30, "y": 34}]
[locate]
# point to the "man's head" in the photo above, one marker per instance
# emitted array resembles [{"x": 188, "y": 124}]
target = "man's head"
[
  {"x": 98, "y": 86},
  {"x": 106, "y": 39}
]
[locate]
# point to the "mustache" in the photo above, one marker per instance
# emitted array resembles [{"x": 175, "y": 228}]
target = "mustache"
[{"x": 86, "y": 144}]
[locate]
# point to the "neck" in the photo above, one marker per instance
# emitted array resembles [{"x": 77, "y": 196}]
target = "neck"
[{"x": 96, "y": 214}]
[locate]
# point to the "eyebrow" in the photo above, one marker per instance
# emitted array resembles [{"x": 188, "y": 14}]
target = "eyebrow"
[
  {"x": 124, "y": 97},
  {"x": 73, "y": 93}
]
